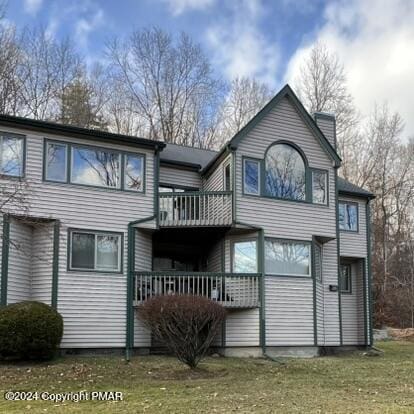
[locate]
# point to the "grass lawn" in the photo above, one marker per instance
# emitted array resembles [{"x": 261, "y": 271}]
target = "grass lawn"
[{"x": 346, "y": 384}]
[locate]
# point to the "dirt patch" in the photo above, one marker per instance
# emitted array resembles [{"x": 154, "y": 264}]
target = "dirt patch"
[{"x": 402, "y": 334}]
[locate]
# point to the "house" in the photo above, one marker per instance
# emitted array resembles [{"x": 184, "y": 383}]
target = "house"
[{"x": 264, "y": 227}]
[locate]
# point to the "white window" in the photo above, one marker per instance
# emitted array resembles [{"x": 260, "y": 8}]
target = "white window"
[
  {"x": 134, "y": 172},
  {"x": 245, "y": 257},
  {"x": 95, "y": 251},
  {"x": 56, "y": 161},
  {"x": 320, "y": 187},
  {"x": 348, "y": 216},
  {"x": 12, "y": 155},
  {"x": 287, "y": 258},
  {"x": 95, "y": 166},
  {"x": 251, "y": 176}
]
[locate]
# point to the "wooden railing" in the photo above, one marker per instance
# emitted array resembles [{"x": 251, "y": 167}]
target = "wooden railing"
[
  {"x": 232, "y": 290},
  {"x": 196, "y": 209}
]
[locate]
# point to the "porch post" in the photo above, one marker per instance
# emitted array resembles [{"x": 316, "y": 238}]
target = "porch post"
[{"x": 5, "y": 259}]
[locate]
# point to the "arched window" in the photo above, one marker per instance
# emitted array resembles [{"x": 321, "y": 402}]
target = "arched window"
[{"x": 285, "y": 172}]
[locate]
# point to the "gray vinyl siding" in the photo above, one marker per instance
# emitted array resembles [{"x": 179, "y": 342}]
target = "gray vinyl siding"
[
  {"x": 42, "y": 263},
  {"x": 331, "y": 299},
  {"x": 289, "y": 311},
  {"x": 242, "y": 326},
  {"x": 290, "y": 322},
  {"x": 320, "y": 311},
  {"x": 93, "y": 305},
  {"x": 18, "y": 287},
  {"x": 143, "y": 262},
  {"x": 353, "y": 308},
  {"x": 215, "y": 181},
  {"x": 180, "y": 177},
  {"x": 354, "y": 244},
  {"x": 214, "y": 258}
]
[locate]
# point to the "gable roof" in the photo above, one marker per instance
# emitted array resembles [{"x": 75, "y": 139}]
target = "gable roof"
[
  {"x": 287, "y": 92},
  {"x": 196, "y": 158},
  {"x": 77, "y": 132},
  {"x": 347, "y": 188}
]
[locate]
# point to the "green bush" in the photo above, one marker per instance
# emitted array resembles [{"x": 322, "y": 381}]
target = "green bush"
[{"x": 29, "y": 330}]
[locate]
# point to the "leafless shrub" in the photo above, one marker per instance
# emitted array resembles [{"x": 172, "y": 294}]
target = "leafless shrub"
[{"x": 186, "y": 324}]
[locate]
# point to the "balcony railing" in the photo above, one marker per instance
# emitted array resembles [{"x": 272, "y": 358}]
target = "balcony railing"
[
  {"x": 196, "y": 209},
  {"x": 231, "y": 290}
]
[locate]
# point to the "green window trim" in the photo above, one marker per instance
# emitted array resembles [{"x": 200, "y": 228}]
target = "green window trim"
[
  {"x": 310, "y": 274},
  {"x": 232, "y": 252},
  {"x": 68, "y": 164},
  {"x": 24, "y": 155},
  {"x": 5, "y": 259},
  {"x": 259, "y": 175},
  {"x": 356, "y": 204},
  {"x": 96, "y": 233},
  {"x": 308, "y": 178}
]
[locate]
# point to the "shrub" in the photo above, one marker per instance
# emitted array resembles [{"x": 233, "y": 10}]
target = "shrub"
[
  {"x": 29, "y": 330},
  {"x": 186, "y": 324}
]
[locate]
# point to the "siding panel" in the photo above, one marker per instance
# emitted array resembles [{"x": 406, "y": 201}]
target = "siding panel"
[{"x": 180, "y": 177}]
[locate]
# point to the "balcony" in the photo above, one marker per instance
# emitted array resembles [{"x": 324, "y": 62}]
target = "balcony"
[
  {"x": 190, "y": 209},
  {"x": 240, "y": 291}
]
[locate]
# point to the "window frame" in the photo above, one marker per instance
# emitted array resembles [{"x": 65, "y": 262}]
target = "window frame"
[
  {"x": 69, "y": 161},
  {"x": 355, "y": 203},
  {"x": 348, "y": 291},
  {"x": 310, "y": 275},
  {"x": 227, "y": 165},
  {"x": 232, "y": 256},
  {"x": 326, "y": 172},
  {"x": 96, "y": 233},
  {"x": 259, "y": 174},
  {"x": 45, "y": 155},
  {"x": 23, "y": 156}
]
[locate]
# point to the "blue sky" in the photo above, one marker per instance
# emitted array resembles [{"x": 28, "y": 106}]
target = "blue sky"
[{"x": 266, "y": 39}]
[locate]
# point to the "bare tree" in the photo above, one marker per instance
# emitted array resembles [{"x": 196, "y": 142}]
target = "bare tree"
[
  {"x": 169, "y": 84},
  {"x": 10, "y": 55},
  {"x": 245, "y": 98},
  {"x": 321, "y": 86}
]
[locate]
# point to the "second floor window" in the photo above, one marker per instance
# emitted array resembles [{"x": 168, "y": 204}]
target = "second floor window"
[
  {"x": 11, "y": 155},
  {"x": 78, "y": 164},
  {"x": 320, "y": 187},
  {"x": 285, "y": 173},
  {"x": 348, "y": 216},
  {"x": 95, "y": 167},
  {"x": 251, "y": 174}
]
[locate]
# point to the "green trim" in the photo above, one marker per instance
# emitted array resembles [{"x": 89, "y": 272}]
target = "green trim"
[
  {"x": 338, "y": 248},
  {"x": 262, "y": 296},
  {"x": 223, "y": 269},
  {"x": 5, "y": 259},
  {"x": 355, "y": 203},
  {"x": 77, "y": 132},
  {"x": 94, "y": 231},
  {"x": 156, "y": 186},
  {"x": 315, "y": 316},
  {"x": 309, "y": 276},
  {"x": 216, "y": 161},
  {"x": 370, "y": 299},
  {"x": 259, "y": 174},
  {"x": 122, "y": 159},
  {"x": 365, "y": 293},
  {"x": 320, "y": 170},
  {"x": 233, "y": 184},
  {"x": 173, "y": 187},
  {"x": 193, "y": 193},
  {"x": 24, "y": 155},
  {"x": 55, "y": 271}
]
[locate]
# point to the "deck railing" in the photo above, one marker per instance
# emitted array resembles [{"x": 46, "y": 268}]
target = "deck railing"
[
  {"x": 232, "y": 290},
  {"x": 196, "y": 209}
]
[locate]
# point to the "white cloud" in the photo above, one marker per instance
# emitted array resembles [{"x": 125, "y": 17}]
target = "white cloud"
[
  {"x": 178, "y": 7},
  {"x": 238, "y": 46},
  {"x": 32, "y": 6},
  {"x": 84, "y": 26},
  {"x": 374, "y": 39}
]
